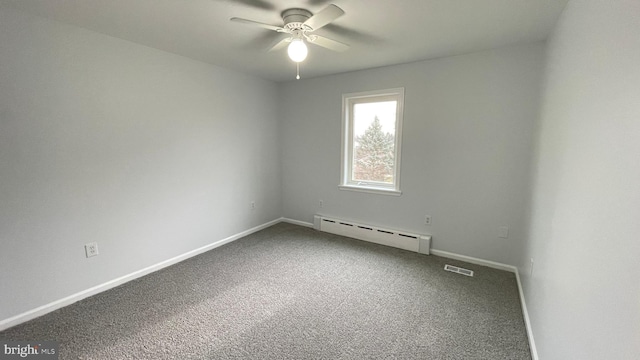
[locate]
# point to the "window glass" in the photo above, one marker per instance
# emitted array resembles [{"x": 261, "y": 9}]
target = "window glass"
[{"x": 372, "y": 123}]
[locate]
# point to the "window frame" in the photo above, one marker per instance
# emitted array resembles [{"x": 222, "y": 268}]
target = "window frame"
[{"x": 346, "y": 166}]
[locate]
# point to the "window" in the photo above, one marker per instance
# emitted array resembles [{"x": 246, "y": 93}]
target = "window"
[{"x": 371, "y": 134}]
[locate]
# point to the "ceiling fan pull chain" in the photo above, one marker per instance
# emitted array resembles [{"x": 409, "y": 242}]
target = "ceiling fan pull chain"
[{"x": 298, "y": 71}]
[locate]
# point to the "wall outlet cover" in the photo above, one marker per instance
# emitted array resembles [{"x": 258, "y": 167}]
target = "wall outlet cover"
[
  {"x": 503, "y": 232},
  {"x": 91, "y": 249}
]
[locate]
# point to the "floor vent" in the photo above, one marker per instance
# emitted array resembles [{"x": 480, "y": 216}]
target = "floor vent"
[
  {"x": 458, "y": 270},
  {"x": 395, "y": 238}
]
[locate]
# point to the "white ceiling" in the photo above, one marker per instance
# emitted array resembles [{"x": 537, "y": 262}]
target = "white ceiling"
[{"x": 380, "y": 32}]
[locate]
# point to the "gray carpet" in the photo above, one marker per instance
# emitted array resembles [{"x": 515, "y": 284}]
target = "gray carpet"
[{"x": 289, "y": 292}]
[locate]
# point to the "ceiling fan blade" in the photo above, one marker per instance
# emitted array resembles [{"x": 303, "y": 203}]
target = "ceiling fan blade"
[
  {"x": 255, "y": 23},
  {"x": 318, "y": 2},
  {"x": 324, "y": 17},
  {"x": 262, "y": 41},
  {"x": 328, "y": 43},
  {"x": 281, "y": 44}
]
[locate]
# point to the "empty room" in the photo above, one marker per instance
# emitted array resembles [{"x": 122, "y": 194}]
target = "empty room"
[{"x": 314, "y": 179}]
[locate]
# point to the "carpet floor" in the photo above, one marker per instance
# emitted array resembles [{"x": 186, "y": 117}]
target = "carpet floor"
[{"x": 290, "y": 292}]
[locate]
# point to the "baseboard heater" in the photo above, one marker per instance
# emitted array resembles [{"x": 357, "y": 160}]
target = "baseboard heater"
[{"x": 378, "y": 235}]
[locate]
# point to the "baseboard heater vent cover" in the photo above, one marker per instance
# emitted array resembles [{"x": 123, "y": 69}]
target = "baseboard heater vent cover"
[
  {"x": 378, "y": 235},
  {"x": 458, "y": 270}
]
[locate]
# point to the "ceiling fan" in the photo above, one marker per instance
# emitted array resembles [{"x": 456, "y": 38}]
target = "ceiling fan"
[{"x": 300, "y": 24}]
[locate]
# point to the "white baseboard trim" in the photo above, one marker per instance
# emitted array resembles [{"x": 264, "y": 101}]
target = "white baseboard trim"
[
  {"x": 469, "y": 259},
  {"x": 527, "y": 321},
  {"x": 55, "y": 305},
  {"x": 296, "y": 222}
]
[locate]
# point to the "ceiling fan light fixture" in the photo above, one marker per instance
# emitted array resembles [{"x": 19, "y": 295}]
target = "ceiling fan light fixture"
[{"x": 297, "y": 50}]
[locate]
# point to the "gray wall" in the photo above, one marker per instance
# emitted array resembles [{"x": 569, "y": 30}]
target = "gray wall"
[
  {"x": 467, "y": 141},
  {"x": 148, "y": 153},
  {"x": 584, "y": 295}
]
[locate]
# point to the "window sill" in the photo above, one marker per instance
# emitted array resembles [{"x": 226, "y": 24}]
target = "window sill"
[{"x": 372, "y": 190}]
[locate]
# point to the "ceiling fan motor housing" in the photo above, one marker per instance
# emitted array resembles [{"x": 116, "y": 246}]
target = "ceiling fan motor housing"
[{"x": 294, "y": 19}]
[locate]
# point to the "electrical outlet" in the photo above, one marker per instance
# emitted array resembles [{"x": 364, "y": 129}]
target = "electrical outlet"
[
  {"x": 503, "y": 232},
  {"x": 321, "y": 203},
  {"x": 91, "y": 249},
  {"x": 427, "y": 219},
  {"x": 253, "y": 205}
]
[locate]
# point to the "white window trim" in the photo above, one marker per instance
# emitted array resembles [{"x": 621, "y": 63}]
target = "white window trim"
[{"x": 347, "y": 139}]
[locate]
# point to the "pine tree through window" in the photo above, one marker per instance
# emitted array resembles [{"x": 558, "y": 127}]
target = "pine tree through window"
[
  {"x": 372, "y": 123},
  {"x": 373, "y": 154}
]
